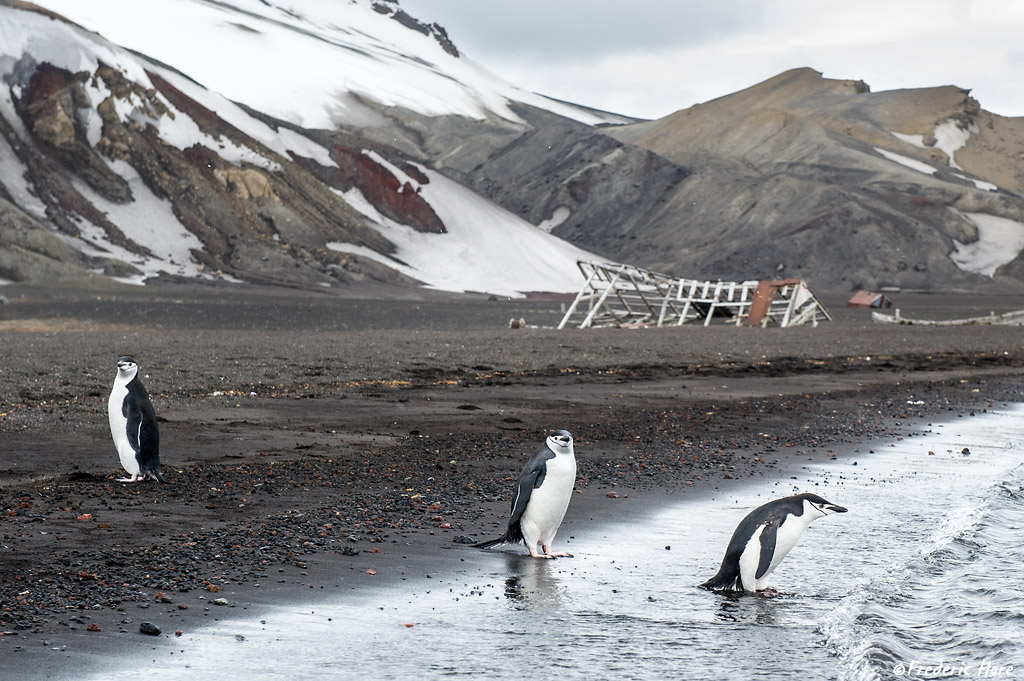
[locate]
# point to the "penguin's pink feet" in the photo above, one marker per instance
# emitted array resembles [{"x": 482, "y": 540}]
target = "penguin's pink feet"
[
  {"x": 535, "y": 554},
  {"x": 134, "y": 478},
  {"x": 548, "y": 554}
]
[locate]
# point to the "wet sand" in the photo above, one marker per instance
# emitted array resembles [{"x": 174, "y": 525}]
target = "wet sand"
[{"x": 314, "y": 442}]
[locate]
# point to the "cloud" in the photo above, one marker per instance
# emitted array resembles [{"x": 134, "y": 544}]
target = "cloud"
[
  {"x": 582, "y": 29},
  {"x": 649, "y": 58}
]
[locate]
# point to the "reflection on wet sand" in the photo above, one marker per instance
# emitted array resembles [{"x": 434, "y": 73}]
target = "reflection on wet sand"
[{"x": 532, "y": 583}]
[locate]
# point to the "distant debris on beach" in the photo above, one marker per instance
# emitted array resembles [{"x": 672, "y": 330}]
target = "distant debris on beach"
[
  {"x": 1015, "y": 318},
  {"x": 869, "y": 299},
  {"x": 625, "y": 296}
]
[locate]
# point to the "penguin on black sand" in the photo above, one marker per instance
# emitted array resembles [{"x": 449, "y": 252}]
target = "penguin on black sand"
[
  {"x": 133, "y": 424},
  {"x": 542, "y": 495},
  {"x": 763, "y": 539}
]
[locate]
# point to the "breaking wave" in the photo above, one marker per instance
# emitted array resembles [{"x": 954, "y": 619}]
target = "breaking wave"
[{"x": 954, "y": 609}]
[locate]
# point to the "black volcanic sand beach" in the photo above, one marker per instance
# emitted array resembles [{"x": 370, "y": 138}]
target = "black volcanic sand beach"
[{"x": 316, "y": 442}]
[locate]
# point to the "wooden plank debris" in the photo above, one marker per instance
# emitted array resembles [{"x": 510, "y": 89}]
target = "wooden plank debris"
[
  {"x": 616, "y": 294},
  {"x": 1015, "y": 318},
  {"x": 869, "y": 299}
]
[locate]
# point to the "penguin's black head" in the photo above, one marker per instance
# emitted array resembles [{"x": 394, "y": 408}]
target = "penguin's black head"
[
  {"x": 560, "y": 441},
  {"x": 825, "y": 507},
  {"x": 126, "y": 363},
  {"x": 562, "y": 437}
]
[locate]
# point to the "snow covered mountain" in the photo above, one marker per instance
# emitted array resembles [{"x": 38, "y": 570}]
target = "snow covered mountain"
[
  {"x": 335, "y": 143},
  {"x": 204, "y": 139}
]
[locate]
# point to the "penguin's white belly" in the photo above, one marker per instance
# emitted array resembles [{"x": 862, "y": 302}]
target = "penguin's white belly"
[
  {"x": 786, "y": 537},
  {"x": 119, "y": 429},
  {"x": 548, "y": 503},
  {"x": 749, "y": 560}
]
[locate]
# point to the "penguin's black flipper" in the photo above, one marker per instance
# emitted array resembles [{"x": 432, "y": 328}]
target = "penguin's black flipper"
[
  {"x": 768, "y": 537},
  {"x": 130, "y": 408},
  {"x": 143, "y": 433}
]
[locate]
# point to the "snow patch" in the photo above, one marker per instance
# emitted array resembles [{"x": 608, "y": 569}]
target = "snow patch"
[
  {"x": 950, "y": 137},
  {"x": 370, "y": 254},
  {"x": 915, "y": 140},
  {"x": 1000, "y": 240},
  {"x": 61, "y": 44},
  {"x": 280, "y": 140},
  {"x": 12, "y": 171},
  {"x": 560, "y": 215},
  {"x": 148, "y": 221},
  {"x": 913, "y": 163},
  {"x": 486, "y": 248},
  {"x": 980, "y": 184}
]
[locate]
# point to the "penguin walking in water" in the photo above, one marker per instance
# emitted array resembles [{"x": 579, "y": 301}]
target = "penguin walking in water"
[
  {"x": 763, "y": 539},
  {"x": 542, "y": 495},
  {"x": 133, "y": 424}
]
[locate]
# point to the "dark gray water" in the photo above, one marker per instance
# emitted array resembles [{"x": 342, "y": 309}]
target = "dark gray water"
[{"x": 922, "y": 574}]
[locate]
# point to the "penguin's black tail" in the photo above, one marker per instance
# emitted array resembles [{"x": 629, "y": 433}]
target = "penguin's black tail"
[
  {"x": 724, "y": 581},
  {"x": 156, "y": 475},
  {"x": 513, "y": 535},
  {"x": 491, "y": 543}
]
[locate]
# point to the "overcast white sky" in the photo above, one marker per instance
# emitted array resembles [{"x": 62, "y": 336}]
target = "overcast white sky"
[{"x": 648, "y": 58}]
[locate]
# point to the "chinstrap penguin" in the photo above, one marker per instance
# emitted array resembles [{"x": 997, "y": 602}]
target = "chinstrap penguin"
[
  {"x": 133, "y": 424},
  {"x": 542, "y": 495},
  {"x": 764, "y": 537}
]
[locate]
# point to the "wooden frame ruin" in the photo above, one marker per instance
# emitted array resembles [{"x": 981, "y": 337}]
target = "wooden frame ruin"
[{"x": 627, "y": 296}]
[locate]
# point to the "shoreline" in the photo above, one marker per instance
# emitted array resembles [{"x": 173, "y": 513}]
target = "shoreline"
[{"x": 410, "y": 552}]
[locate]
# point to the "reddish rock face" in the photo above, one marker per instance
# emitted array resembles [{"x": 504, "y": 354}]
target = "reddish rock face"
[
  {"x": 45, "y": 82},
  {"x": 381, "y": 188}
]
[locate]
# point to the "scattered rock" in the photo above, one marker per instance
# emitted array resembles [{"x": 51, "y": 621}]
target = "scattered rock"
[{"x": 149, "y": 629}]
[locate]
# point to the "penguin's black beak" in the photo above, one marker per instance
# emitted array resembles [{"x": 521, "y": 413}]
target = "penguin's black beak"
[{"x": 832, "y": 508}]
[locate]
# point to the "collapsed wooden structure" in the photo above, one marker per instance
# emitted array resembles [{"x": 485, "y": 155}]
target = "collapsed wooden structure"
[{"x": 623, "y": 295}]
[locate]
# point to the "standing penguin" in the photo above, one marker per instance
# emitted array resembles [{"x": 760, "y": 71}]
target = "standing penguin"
[
  {"x": 763, "y": 539},
  {"x": 133, "y": 424},
  {"x": 542, "y": 495}
]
